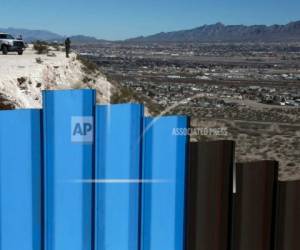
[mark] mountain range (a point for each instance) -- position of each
(45, 35)
(207, 33)
(229, 33)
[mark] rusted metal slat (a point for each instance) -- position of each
(209, 195)
(288, 216)
(255, 205)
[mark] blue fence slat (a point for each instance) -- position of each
(118, 143)
(20, 180)
(163, 191)
(68, 152)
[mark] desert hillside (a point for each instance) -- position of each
(22, 78)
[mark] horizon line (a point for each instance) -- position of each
(145, 35)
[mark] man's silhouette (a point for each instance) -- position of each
(68, 46)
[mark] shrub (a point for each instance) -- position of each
(41, 47)
(21, 80)
(88, 65)
(56, 46)
(123, 95)
(126, 94)
(38, 60)
(5, 104)
(87, 79)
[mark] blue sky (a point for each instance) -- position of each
(119, 19)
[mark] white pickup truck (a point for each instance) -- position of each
(9, 44)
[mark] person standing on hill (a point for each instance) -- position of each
(67, 46)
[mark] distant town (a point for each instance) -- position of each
(252, 89)
(224, 75)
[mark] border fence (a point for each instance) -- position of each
(81, 176)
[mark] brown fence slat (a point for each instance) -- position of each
(288, 216)
(209, 195)
(254, 204)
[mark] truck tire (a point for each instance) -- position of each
(4, 50)
(20, 52)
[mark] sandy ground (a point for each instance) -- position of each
(23, 77)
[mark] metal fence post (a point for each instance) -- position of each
(164, 174)
(255, 205)
(209, 195)
(69, 156)
(288, 216)
(20, 180)
(118, 163)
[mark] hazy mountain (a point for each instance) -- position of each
(31, 35)
(84, 39)
(44, 35)
(207, 33)
(229, 33)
